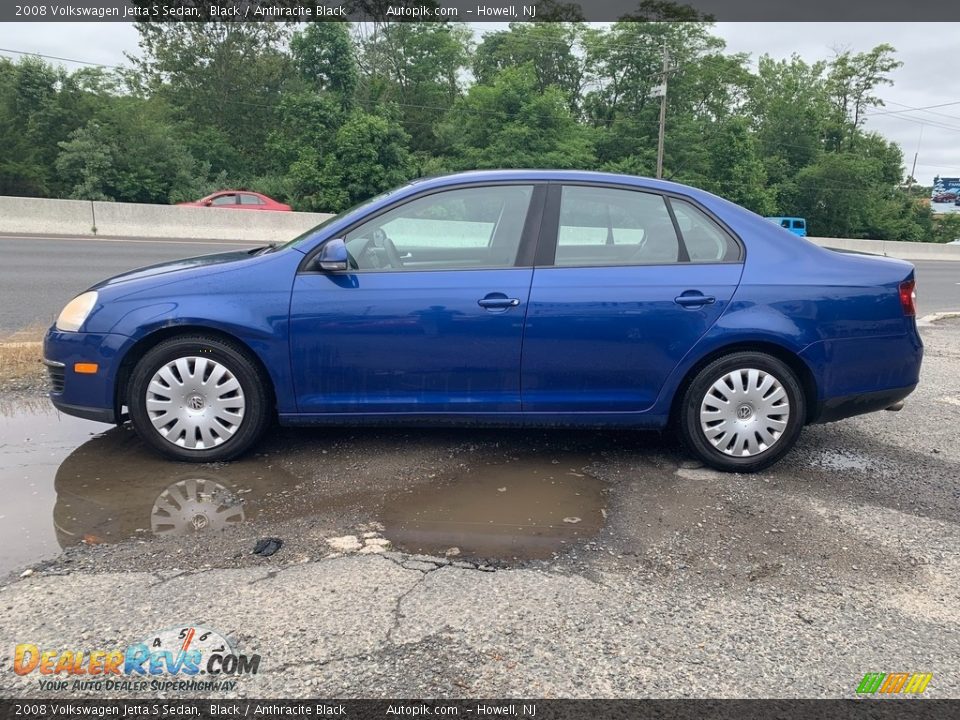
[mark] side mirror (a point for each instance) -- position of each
(333, 255)
(208, 203)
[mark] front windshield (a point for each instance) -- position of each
(300, 239)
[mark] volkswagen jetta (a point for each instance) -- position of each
(521, 297)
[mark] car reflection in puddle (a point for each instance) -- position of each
(112, 488)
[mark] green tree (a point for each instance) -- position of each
(323, 53)
(735, 169)
(40, 105)
(550, 49)
(788, 106)
(417, 69)
(129, 154)
(222, 81)
(510, 124)
(852, 82)
(367, 156)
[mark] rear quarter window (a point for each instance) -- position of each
(705, 240)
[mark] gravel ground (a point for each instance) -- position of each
(841, 560)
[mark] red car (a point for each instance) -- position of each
(239, 200)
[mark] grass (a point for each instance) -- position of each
(21, 360)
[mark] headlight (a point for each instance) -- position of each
(76, 311)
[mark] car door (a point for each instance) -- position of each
(224, 200)
(619, 297)
(429, 317)
(248, 201)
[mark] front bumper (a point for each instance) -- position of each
(90, 396)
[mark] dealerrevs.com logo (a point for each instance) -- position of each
(183, 658)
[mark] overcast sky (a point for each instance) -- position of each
(929, 76)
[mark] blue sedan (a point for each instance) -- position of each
(526, 297)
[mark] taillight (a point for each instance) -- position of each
(908, 297)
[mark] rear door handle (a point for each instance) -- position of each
(497, 301)
(694, 299)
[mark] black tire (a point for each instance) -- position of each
(254, 389)
(695, 437)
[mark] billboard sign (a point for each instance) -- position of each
(945, 196)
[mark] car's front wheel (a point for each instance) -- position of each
(742, 412)
(198, 399)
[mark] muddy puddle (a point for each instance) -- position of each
(528, 508)
(65, 481)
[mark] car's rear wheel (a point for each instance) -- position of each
(742, 412)
(198, 399)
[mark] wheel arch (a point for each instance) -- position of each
(144, 344)
(803, 372)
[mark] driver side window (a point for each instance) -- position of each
(468, 228)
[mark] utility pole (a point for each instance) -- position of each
(661, 90)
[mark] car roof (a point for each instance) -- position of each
(533, 175)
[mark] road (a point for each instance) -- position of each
(39, 275)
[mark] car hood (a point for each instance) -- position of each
(177, 265)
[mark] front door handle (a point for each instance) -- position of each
(694, 299)
(497, 301)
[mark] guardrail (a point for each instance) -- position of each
(85, 218)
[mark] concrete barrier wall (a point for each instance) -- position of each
(35, 216)
(893, 248)
(82, 218)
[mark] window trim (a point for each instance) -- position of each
(234, 195)
(526, 250)
(549, 236)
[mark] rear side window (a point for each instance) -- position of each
(224, 200)
(798, 224)
(247, 199)
(610, 226)
(704, 239)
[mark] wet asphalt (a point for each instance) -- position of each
(461, 563)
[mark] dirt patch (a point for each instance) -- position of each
(21, 361)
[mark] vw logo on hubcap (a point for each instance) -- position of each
(744, 412)
(195, 402)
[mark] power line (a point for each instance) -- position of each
(928, 112)
(56, 57)
(921, 121)
(914, 109)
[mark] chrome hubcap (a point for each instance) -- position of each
(745, 412)
(195, 403)
(194, 505)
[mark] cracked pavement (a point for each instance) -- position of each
(794, 582)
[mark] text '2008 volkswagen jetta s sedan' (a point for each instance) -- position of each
(521, 297)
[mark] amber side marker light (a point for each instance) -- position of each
(85, 368)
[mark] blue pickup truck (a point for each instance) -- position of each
(796, 225)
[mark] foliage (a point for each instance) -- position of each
(510, 124)
(328, 114)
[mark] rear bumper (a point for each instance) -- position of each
(862, 375)
(839, 408)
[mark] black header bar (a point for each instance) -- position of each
(172, 708)
(478, 10)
